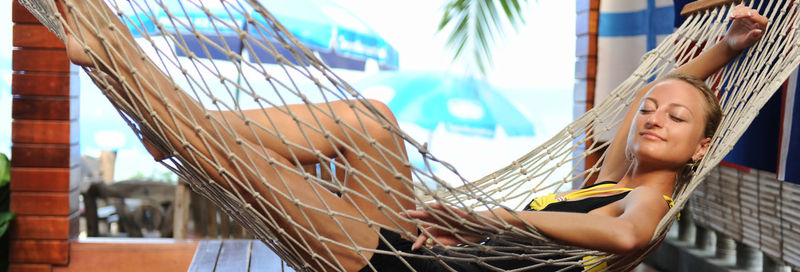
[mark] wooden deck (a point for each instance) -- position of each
(122, 255)
(253, 255)
(236, 255)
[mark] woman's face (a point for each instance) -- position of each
(668, 129)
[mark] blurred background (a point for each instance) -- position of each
(532, 71)
(505, 92)
(515, 95)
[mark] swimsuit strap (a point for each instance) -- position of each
(669, 201)
(543, 201)
(586, 192)
(591, 191)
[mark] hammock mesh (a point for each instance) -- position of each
(230, 158)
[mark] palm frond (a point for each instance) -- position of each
(476, 25)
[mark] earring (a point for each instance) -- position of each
(693, 166)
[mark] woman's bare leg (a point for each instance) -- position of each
(378, 169)
(153, 95)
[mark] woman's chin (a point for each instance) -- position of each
(658, 160)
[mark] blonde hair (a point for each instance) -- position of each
(713, 112)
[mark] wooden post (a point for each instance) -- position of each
(181, 211)
(686, 230)
(44, 152)
(45, 172)
(704, 238)
(726, 249)
(107, 159)
(773, 265)
(748, 258)
(587, 19)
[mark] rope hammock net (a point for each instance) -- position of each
(252, 159)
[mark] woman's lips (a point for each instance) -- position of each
(651, 136)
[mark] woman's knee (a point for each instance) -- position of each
(383, 109)
(382, 125)
(363, 120)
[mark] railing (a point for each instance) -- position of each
(742, 219)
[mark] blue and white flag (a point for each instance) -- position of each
(627, 29)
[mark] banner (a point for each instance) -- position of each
(627, 29)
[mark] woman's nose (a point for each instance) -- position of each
(655, 119)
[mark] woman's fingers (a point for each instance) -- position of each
(746, 29)
(754, 35)
(420, 241)
(445, 213)
(421, 215)
(742, 11)
(448, 209)
(442, 237)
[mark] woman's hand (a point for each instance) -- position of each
(438, 221)
(747, 28)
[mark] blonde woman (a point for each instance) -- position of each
(668, 127)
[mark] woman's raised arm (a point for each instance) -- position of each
(747, 28)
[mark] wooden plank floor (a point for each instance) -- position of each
(235, 255)
(129, 254)
(253, 255)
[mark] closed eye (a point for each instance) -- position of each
(676, 119)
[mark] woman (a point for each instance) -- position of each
(670, 125)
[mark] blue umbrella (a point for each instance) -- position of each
(462, 104)
(219, 25)
(340, 38)
(336, 33)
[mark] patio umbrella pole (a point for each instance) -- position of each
(239, 64)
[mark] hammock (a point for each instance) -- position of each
(230, 166)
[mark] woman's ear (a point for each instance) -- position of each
(702, 147)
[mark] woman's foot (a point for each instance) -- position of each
(91, 27)
(106, 80)
(79, 55)
(75, 51)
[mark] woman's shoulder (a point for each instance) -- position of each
(650, 196)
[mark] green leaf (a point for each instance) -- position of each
(478, 24)
(5, 170)
(507, 9)
(5, 220)
(520, 18)
(462, 43)
(484, 31)
(460, 36)
(492, 11)
(480, 62)
(445, 20)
